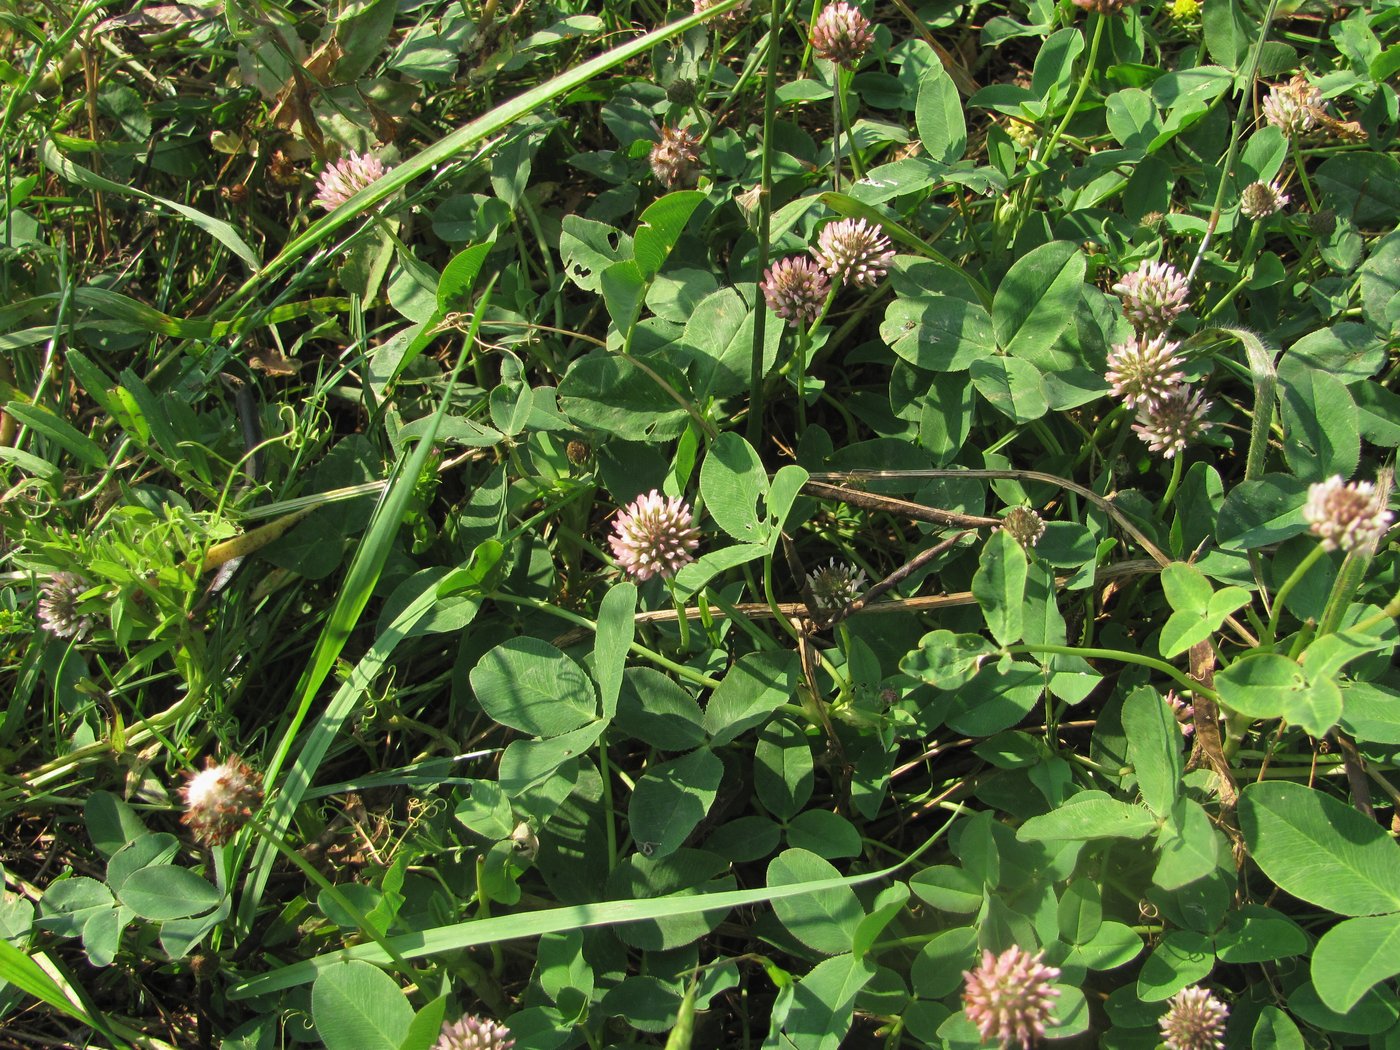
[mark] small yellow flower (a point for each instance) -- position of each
(1184, 10)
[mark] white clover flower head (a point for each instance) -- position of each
(853, 250)
(1144, 370)
(1010, 997)
(474, 1033)
(836, 584)
(58, 605)
(1293, 107)
(1195, 1020)
(795, 289)
(1024, 526)
(1153, 296)
(1349, 516)
(841, 34)
(675, 160)
(219, 799)
(654, 536)
(1259, 200)
(1170, 424)
(346, 177)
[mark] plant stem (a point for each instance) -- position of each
(765, 215)
(1294, 578)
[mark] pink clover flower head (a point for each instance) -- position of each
(1144, 370)
(795, 289)
(1293, 107)
(654, 536)
(1153, 296)
(853, 250)
(1183, 712)
(841, 34)
(1010, 997)
(1195, 1020)
(220, 799)
(474, 1033)
(836, 585)
(345, 178)
(1347, 515)
(730, 18)
(58, 605)
(1024, 525)
(675, 160)
(1169, 425)
(1259, 200)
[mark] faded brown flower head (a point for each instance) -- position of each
(1010, 997)
(1349, 516)
(58, 605)
(1104, 7)
(1293, 107)
(675, 160)
(345, 178)
(853, 250)
(1143, 371)
(841, 34)
(1262, 199)
(1195, 1020)
(654, 536)
(474, 1033)
(1153, 296)
(795, 289)
(1024, 526)
(836, 585)
(1170, 424)
(220, 799)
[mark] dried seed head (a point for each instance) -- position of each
(795, 289)
(841, 34)
(1350, 516)
(1010, 997)
(836, 585)
(1143, 371)
(675, 160)
(1024, 526)
(1293, 107)
(654, 536)
(345, 178)
(1262, 199)
(220, 799)
(853, 250)
(1169, 425)
(474, 1033)
(1153, 296)
(1195, 1020)
(58, 605)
